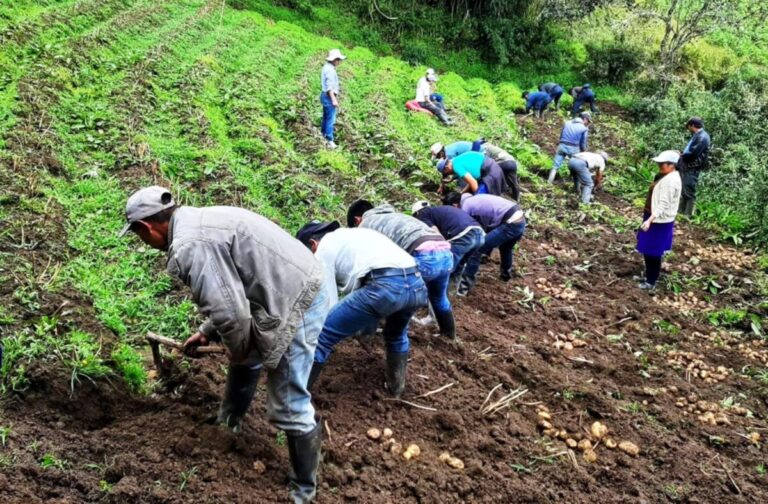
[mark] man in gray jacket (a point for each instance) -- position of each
(262, 295)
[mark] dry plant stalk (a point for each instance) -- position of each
(489, 408)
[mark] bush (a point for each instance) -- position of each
(612, 62)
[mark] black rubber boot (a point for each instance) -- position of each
(304, 452)
(238, 394)
(397, 363)
(317, 368)
(447, 324)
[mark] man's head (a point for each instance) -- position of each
(694, 124)
(356, 211)
(587, 86)
(586, 117)
(667, 161)
(431, 75)
(312, 232)
(148, 213)
(335, 57)
(525, 95)
(437, 150)
(419, 206)
(604, 155)
(445, 166)
(453, 198)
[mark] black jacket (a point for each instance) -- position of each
(696, 154)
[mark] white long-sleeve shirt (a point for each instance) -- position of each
(423, 90)
(347, 255)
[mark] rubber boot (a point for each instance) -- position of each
(397, 363)
(317, 368)
(238, 394)
(447, 324)
(304, 452)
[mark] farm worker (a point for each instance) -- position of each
(378, 281)
(329, 81)
(582, 166)
(573, 139)
(554, 90)
(538, 101)
(480, 173)
(654, 238)
(581, 95)
(262, 295)
(427, 246)
(695, 158)
(450, 151)
(504, 223)
(508, 166)
(462, 231)
(428, 100)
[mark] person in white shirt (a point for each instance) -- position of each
(378, 280)
(329, 97)
(424, 97)
(583, 166)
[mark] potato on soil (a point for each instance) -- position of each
(629, 448)
(589, 456)
(452, 461)
(572, 443)
(259, 467)
(412, 451)
(610, 443)
(585, 444)
(544, 415)
(598, 430)
(396, 449)
(374, 433)
(387, 433)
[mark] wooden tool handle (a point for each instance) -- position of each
(214, 349)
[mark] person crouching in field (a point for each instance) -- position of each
(582, 166)
(329, 98)
(475, 172)
(538, 101)
(429, 100)
(262, 295)
(654, 238)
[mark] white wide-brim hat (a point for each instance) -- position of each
(335, 54)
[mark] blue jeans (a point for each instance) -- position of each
(563, 151)
(462, 249)
(582, 178)
(482, 188)
(391, 293)
(579, 102)
(289, 405)
(437, 99)
(329, 117)
(503, 237)
(435, 269)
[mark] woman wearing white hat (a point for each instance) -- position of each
(654, 238)
(426, 98)
(329, 81)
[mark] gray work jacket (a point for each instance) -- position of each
(250, 278)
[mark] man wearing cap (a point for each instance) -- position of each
(554, 90)
(538, 101)
(582, 166)
(428, 247)
(581, 95)
(503, 221)
(573, 139)
(261, 293)
(462, 231)
(329, 82)
(378, 281)
(480, 173)
(506, 162)
(424, 97)
(450, 151)
(695, 158)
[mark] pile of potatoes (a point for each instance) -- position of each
(685, 302)
(390, 444)
(752, 350)
(564, 293)
(567, 341)
(733, 259)
(557, 250)
(707, 412)
(696, 367)
(586, 443)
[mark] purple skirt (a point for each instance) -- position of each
(657, 240)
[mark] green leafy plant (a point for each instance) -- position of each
(186, 477)
(51, 461)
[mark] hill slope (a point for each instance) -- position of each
(102, 97)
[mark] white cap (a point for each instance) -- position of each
(431, 75)
(146, 203)
(668, 156)
(418, 206)
(604, 155)
(335, 54)
(435, 149)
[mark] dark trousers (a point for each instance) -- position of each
(579, 102)
(503, 237)
(652, 269)
(510, 175)
(690, 178)
(437, 111)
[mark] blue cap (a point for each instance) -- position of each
(587, 85)
(441, 165)
(314, 228)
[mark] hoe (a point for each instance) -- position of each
(163, 367)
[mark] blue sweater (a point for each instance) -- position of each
(537, 100)
(575, 133)
(449, 220)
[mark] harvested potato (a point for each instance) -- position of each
(598, 430)
(396, 449)
(452, 461)
(374, 433)
(754, 437)
(412, 451)
(387, 433)
(544, 424)
(572, 443)
(589, 456)
(259, 467)
(610, 443)
(629, 448)
(544, 415)
(585, 444)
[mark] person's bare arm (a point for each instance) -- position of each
(472, 184)
(333, 98)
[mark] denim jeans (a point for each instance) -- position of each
(503, 237)
(391, 294)
(582, 178)
(690, 179)
(437, 99)
(436, 110)
(289, 407)
(329, 116)
(462, 249)
(579, 102)
(563, 151)
(435, 268)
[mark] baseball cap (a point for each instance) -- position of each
(418, 206)
(586, 115)
(436, 148)
(441, 165)
(315, 227)
(335, 54)
(668, 156)
(604, 155)
(146, 203)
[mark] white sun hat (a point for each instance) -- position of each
(668, 156)
(335, 54)
(431, 75)
(418, 206)
(436, 148)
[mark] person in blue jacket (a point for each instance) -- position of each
(537, 101)
(554, 90)
(581, 95)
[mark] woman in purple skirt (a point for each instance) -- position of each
(654, 238)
